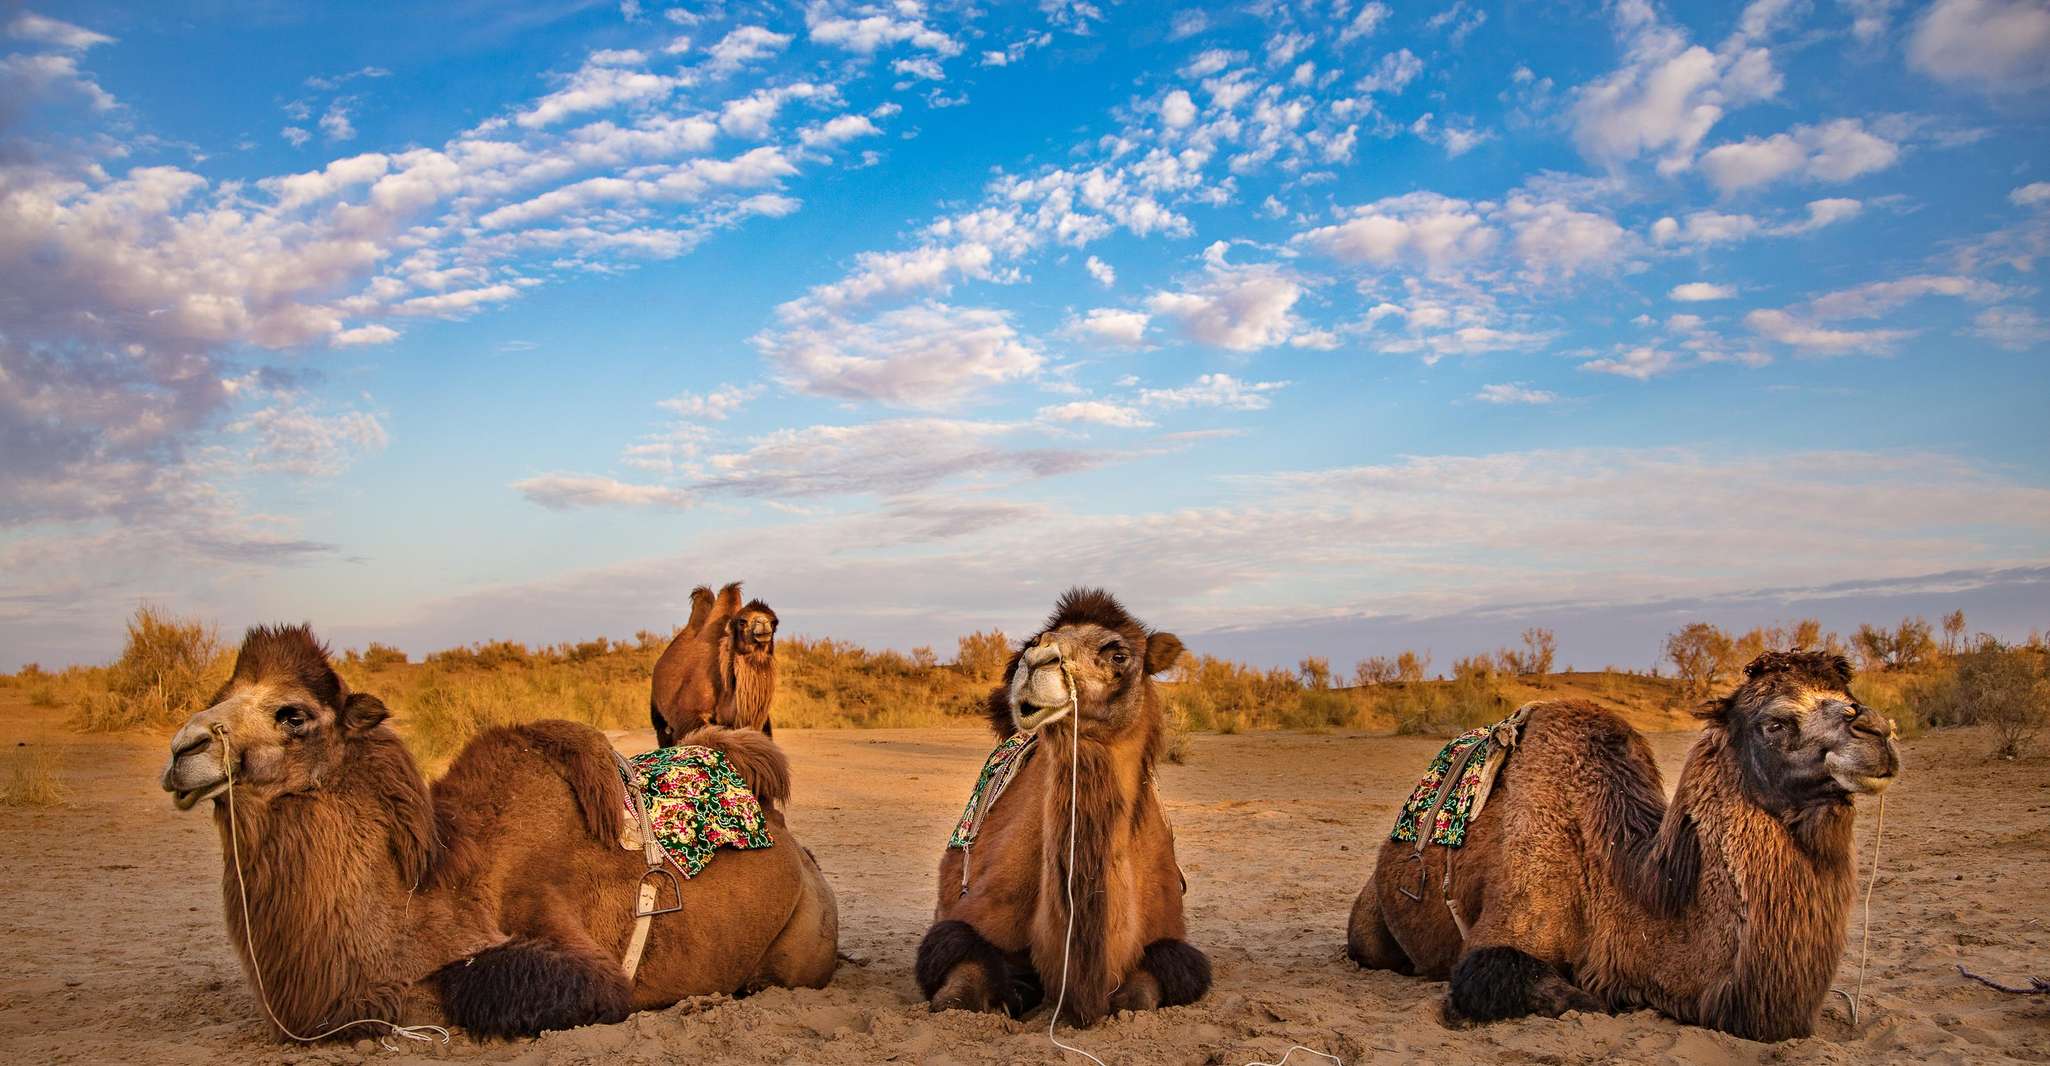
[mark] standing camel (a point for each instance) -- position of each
(719, 670)
(500, 898)
(1579, 887)
(1081, 725)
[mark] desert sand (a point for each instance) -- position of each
(115, 951)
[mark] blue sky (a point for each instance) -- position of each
(1330, 326)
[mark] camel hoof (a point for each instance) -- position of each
(966, 990)
(1141, 991)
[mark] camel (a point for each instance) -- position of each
(1580, 888)
(498, 899)
(720, 669)
(1000, 935)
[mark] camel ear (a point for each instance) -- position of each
(363, 712)
(1162, 649)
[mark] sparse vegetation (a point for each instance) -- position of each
(166, 672)
(171, 665)
(32, 779)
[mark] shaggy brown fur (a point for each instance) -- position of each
(1583, 889)
(1007, 932)
(499, 899)
(720, 669)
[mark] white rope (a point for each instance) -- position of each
(1074, 800)
(1284, 1056)
(1865, 930)
(423, 1033)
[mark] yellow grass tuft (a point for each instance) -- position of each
(32, 779)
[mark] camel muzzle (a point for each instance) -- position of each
(195, 772)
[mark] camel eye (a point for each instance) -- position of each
(1118, 657)
(291, 716)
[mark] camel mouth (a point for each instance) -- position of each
(1862, 780)
(188, 798)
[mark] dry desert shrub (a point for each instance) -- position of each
(32, 779)
(166, 673)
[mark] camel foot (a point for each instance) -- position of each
(1493, 983)
(1141, 991)
(959, 970)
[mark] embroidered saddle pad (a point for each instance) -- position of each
(1471, 760)
(1003, 765)
(697, 804)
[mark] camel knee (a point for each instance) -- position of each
(1181, 972)
(1368, 940)
(1493, 983)
(958, 969)
(527, 986)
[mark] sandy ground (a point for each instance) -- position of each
(114, 949)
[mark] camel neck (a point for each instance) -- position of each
(341, 918)
(1787, 877)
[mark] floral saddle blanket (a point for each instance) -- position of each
(1453, 790)
(696, 804)
(998, 770)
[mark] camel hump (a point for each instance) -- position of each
(700, 606)
(756, 758)
(583, 757)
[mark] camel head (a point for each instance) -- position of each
(286, 716)
(754, 629)
(1108, 654)
(1800, 736)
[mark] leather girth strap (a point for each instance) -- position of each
(658, 868)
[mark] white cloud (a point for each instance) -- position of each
(1515, 393)
(1551, 237)
(838, 130)
(25, 76)
(744, 45)
(1641, 363)
(922, 67)
(715, 405)
(1788, 329)
(873, 28)
(1833, 151)
(1103, 272)
(41, 29)
(2018, 328)
(750, 116)
(1877, 298)
(1669, 93)
(371, 334)
(1437, 231)
(1240, 308)
(1392, 73)
(1096, 412)
(1995, 46)
(2036, 192)
(1113, 326)
(1177, 109)
(288, 436)
(1700, 291)
(596, 87)
(930, 356)
(456, 303)
(1215, 390)
(1368, 19)
(565, 492)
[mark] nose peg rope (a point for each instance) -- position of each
(1068, 940)
(425, 1034)
(1865, 924)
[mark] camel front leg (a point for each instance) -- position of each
(959, 969)
(1367, 938)
(1169, 974)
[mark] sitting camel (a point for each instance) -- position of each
(501, 898)
(719, 670)
(1578, 887)
(1079, 694)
